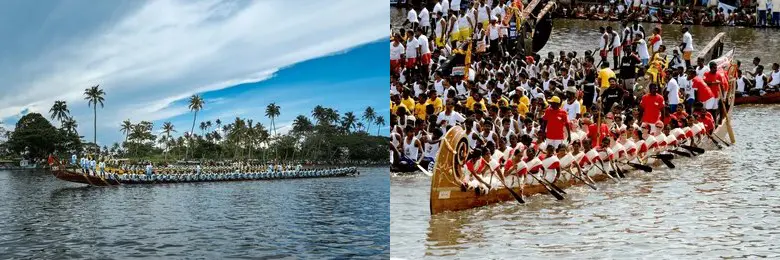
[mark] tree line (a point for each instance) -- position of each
(324, 136)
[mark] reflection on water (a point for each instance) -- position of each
(720, 204)
(44, 218)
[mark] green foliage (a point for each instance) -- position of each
(35, 137)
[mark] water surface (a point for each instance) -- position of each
(44, 218)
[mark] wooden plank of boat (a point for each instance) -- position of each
(446, 193)
(707, 50)
(544, 11)
(528, 9)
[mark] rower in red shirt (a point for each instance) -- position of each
(555, 122)
(651, 107)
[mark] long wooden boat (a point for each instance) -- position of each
(78, 176)
(769, 98)
(446, 193)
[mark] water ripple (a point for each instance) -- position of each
(44, 218)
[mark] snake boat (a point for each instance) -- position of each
(112, 179)
(447, 194)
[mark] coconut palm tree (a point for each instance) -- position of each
(59, 111)
(348, 121)
(318, 113)
(167, 129)
(208, 125)
(369, 115)
(272, 111)
(196, 104)
(301, 124)
(94, 96)
(380, 121)
(202, 127)
(331, 116)
(126, 127)
(70, 125)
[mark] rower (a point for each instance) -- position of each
(149, 169)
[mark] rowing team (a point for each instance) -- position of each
(223, 176)
(512, 164)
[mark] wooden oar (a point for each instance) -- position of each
(692, 149)
(617, 169)
(585, 173)
(679, 153)
(554, 193)
(605, 172)
(662, 156)
(638, 166)
(519, 198)
(581, 179)
(666, 161)
(552, 184)
(423, 170)
(721, 139)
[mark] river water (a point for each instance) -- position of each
(44, 218)
(720, 204)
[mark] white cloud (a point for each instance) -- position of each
(168, 50)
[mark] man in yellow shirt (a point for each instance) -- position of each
(604, 75)
(419, 108)
(436, 101)
(474, 99)
(407, 100)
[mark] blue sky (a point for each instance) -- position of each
(150, 56)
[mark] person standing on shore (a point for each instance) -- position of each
(761, 8)
(615, 46)
(775, 13)
(425, 20)
(411, 18)
(603, 44)
(687, 46)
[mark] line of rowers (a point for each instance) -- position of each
(557, 138)
(197, 172)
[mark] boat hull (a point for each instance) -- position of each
(770, 98)
(77, 176)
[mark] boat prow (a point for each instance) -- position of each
(74, 176)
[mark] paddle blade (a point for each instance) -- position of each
(680, 153)
(663, 156)
(668, 163)
(423, 170)
(517, 197)
(693, 149)
(642, 167)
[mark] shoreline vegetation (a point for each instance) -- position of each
(325, 138)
